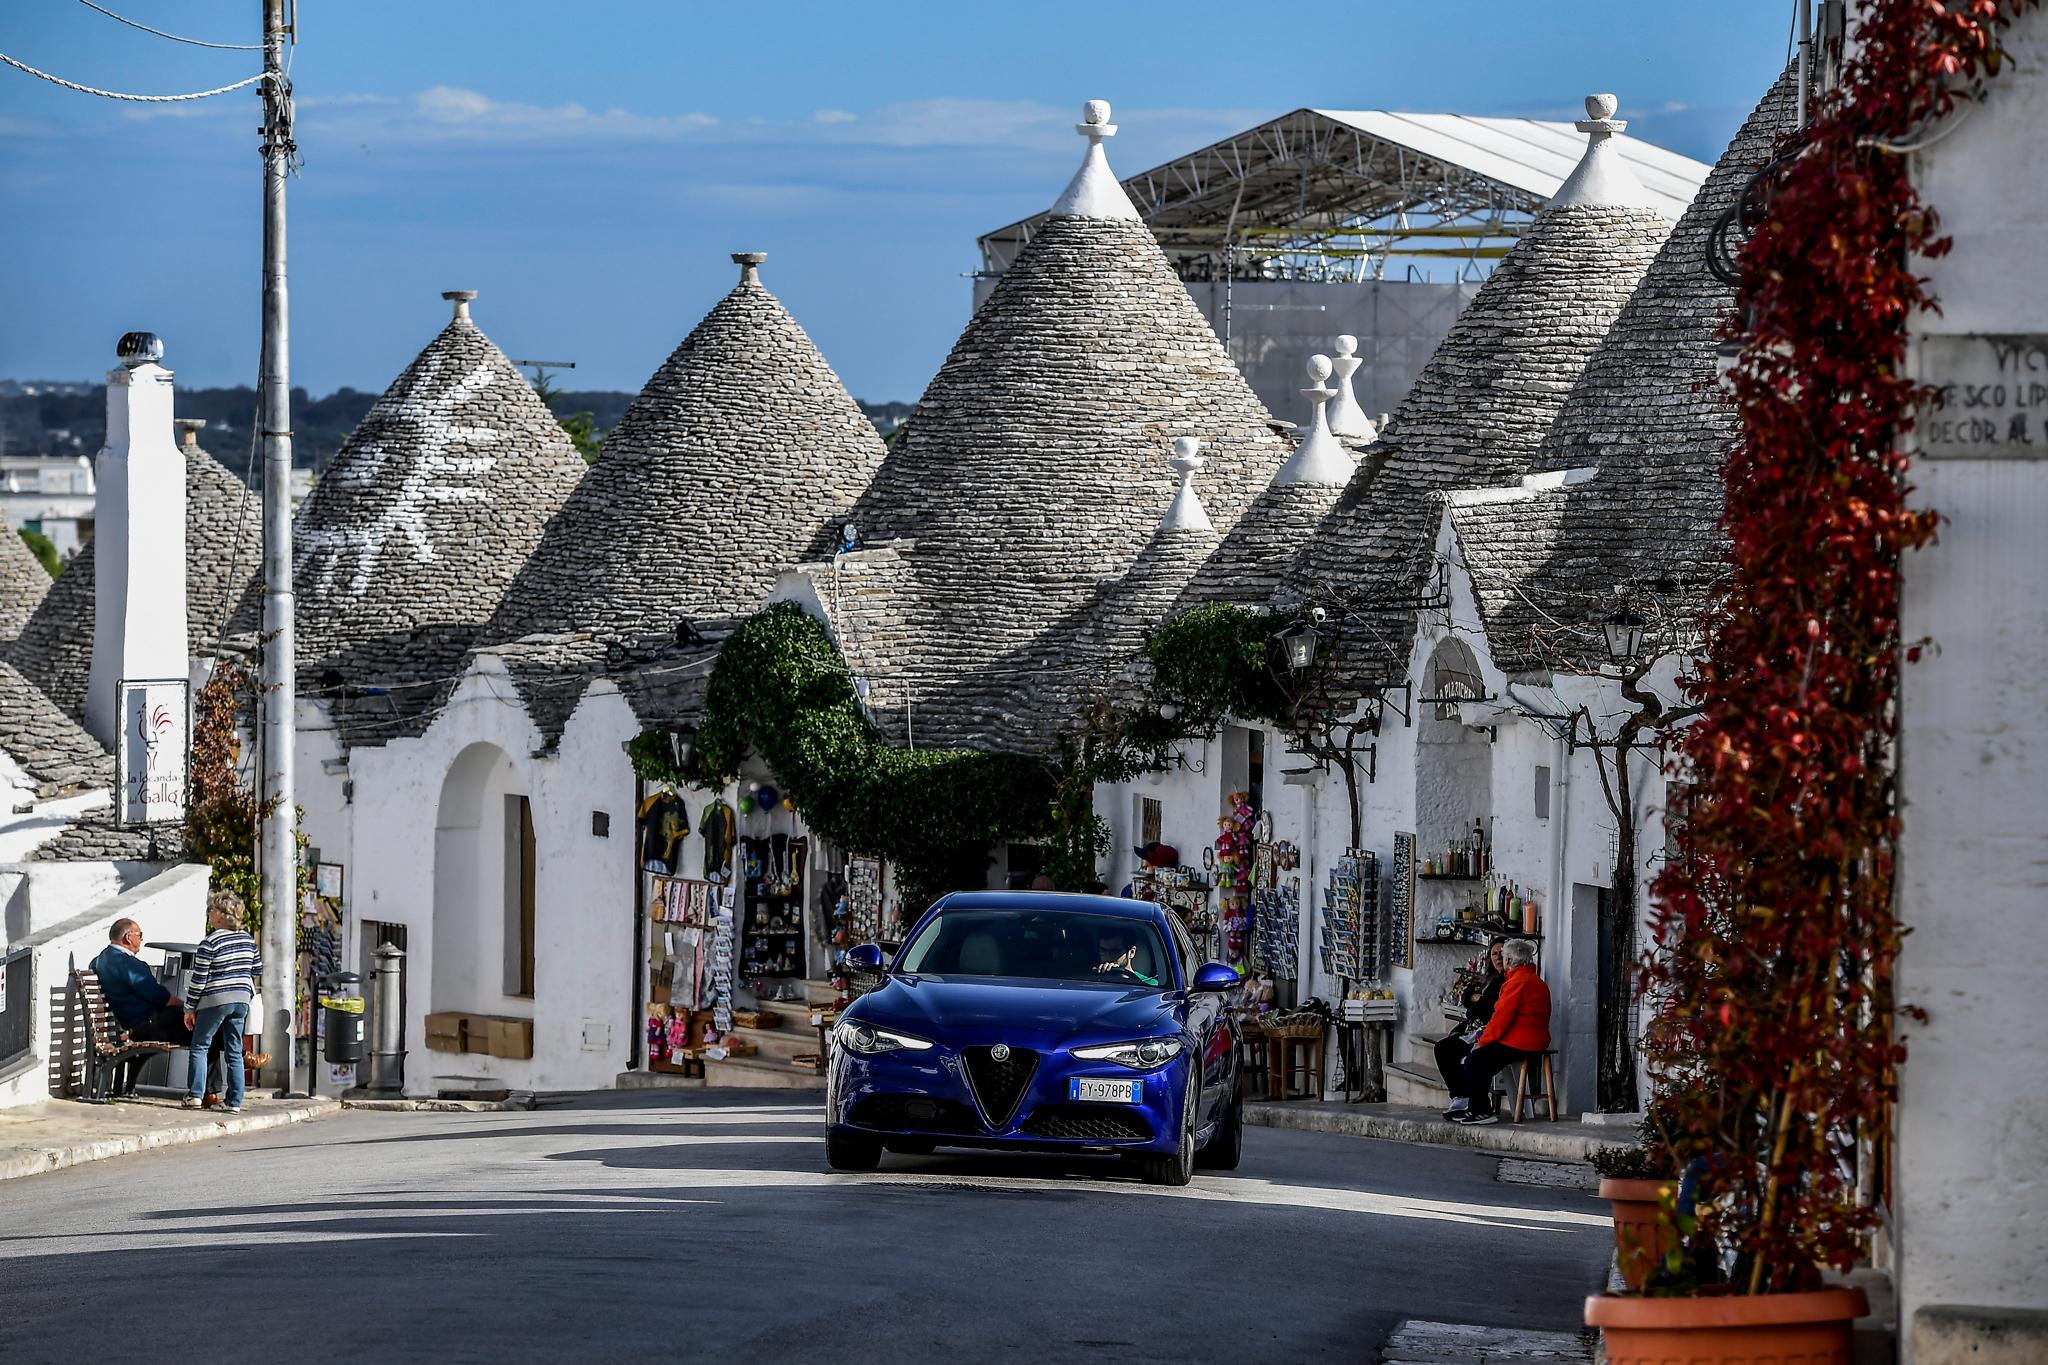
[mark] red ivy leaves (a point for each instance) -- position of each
(1775, 932)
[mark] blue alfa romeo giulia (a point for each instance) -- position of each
(1044, 1022)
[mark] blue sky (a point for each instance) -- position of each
(588, 166)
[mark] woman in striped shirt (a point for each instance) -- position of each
(217, 995)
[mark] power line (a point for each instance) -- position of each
(224, 47)
(118, 95)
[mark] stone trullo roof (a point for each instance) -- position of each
(1649, 429)
(742, 454)
(55, 752)
(1034, 470)
(23, 583)
(1476, 416)
(410, 539)
(223, 554)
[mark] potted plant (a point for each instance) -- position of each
(1769, 987)
(1637, 1182)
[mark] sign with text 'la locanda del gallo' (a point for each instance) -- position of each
(154, 755)
(1995, 397)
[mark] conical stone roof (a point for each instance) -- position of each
(1034, 471)
(1648, 416)
(1475, 418)
(223, 554)
(409, 540)
(742, 454)
(23, 583)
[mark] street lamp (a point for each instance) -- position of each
(1624, 631)
(1299, 641)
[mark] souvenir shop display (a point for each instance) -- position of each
(1468, 857)
(1276, 917)
(863, 901)
(681, 912)
(664, 823)
(1499, 909)
(1401, 903)
(721, 979)
(1351, 937)
(719, 828)
(1235, 866)
(772, 875)
(1183, 890)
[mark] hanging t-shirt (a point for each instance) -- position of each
(719, 828)
(664, 824)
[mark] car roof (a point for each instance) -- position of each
(1057, 902)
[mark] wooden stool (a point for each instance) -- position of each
(1304, 1052)
(1549, 1095)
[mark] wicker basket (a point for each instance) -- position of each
(1296, 1026)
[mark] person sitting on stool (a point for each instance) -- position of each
(1478, 1000)
(1519, 1030)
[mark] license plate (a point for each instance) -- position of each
(1102, 1092)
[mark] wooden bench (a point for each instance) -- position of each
(107, 1045)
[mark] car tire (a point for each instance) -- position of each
(852, 1152)
(910, 1146)
(1178, 1166)
(1226, 1144)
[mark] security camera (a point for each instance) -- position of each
(1316, 614)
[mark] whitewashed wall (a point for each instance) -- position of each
(1971, 1203)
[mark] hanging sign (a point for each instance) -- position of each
(153, 750)
(1994, 392)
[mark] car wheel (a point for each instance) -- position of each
(1177, 1167)
(1226, 1144)
(852, 1152)
(910, 1146)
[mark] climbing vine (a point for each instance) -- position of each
(1775, 929)
(781, 689)
(223, 815)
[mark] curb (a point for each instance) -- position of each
(1500, 1139)
(519, 1100)
(78, 1154)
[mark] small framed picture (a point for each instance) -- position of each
(327, 880)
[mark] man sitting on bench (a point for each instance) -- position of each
(142, 1006)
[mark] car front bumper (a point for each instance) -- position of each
(927, 1095)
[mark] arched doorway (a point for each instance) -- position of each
(484, 879)
(1453, 797)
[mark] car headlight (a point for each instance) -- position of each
(858, 1035)
(1146, 1054)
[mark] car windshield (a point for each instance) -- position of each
(1039, 944)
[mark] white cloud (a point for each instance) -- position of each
(830, 116)
(450, 113)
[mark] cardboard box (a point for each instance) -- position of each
(476, 1033)
(511, 1038)
(445, 1032)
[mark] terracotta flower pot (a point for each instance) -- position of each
(1729, 1329)
(1640, 1237)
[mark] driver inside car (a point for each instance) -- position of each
(1118, 952)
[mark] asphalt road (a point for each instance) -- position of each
(704, 1226)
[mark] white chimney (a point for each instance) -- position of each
(138, 537)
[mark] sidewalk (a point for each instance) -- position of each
(53, 1134)
(1561, 1141)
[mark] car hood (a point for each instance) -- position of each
(962, 1010)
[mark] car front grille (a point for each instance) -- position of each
(913, 1114)
(1088, 1122)
(998, 1085)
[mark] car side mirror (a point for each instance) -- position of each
(1215, 976)
(866, 957)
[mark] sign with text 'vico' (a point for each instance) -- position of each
(154, 755)
(1994, 392)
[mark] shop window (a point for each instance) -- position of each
(519, 897)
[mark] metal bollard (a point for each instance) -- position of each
(387, 1017)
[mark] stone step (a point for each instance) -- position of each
(760, 1073)
(780, 1044)
(1416, 1083)
(655, 1080)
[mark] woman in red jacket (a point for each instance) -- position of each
(1519, 1028)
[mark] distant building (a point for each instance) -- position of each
(52, 494)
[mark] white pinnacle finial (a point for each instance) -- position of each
(1347, 419)
(460, 298)
(1185, 512)
(1094, 191)
(1602, 179)
(1319, 459)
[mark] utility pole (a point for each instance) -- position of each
(278, 863)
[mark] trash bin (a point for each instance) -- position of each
(342, 1000)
